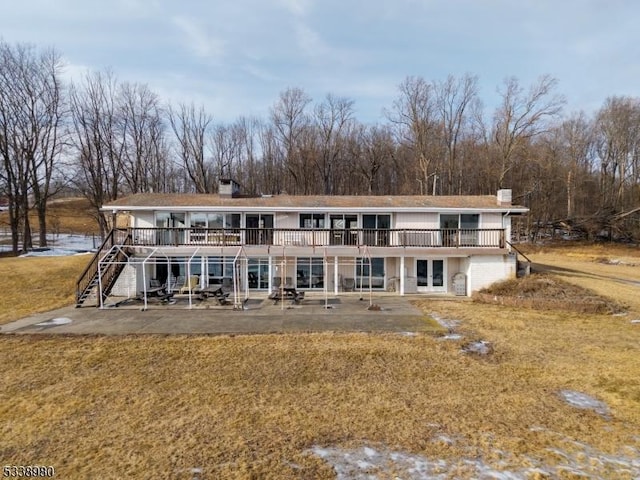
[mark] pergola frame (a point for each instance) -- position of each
(171, 257)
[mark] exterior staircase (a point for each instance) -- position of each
(105, 268)
(523, 267)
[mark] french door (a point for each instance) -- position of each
(431, 275)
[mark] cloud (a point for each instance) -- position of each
(198, 40)
(297, 8)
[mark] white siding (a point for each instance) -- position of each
(287, 220)
(144, 220)
(491, 220)
(487, 269)
(126, 285)
(453, 267)
(416, 220)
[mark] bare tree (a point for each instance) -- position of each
(618, 148)
(99, 140)
(31, 115)
(144, 155)
(247, 166)
(454, 98)
(225, 141)
(191, 127)
(377, 156)
(334, 119)
(576, 137)
(414, 115)
(290, 121)
(521, 117)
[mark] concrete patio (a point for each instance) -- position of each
(261, 315)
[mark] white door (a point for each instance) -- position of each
(431, 275)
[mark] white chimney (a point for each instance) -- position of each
(504, 197)
(228, 188)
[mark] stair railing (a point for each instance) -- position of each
(90, 272)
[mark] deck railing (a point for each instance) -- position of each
(436, 238)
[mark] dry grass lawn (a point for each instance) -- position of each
(37, 284)
(66, 215)
(252, 406)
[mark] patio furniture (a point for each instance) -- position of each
(348, 284)
(287, 293)
(192, 285)
(216, 292)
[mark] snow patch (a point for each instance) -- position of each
(584, 401)
(451, 336)
(55, 321)
(481, 348)
(447, 323)
(368, 463)
(63, 244)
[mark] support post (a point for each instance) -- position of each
(402, 275)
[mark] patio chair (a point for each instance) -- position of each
(277, 281)
(227, 284)
(192, 285)
(348, 284)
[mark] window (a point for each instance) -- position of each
(373, 266)
(309, 272)
(198, 220)
(375, 227)
(259, 229)
(258, 273)
(460, 229)
(312, 220)
(463, 221)
(207, 228)
(215, 220)
(469, 221)
(174, 272)
(219, 268)
(344, 229)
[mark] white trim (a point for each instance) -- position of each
(363, 209)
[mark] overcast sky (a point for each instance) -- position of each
(235, 57)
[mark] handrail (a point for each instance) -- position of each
(92, 268)
(409, 237)
(85, 277)
(519, 251)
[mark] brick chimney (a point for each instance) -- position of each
(504, 197)
(228, 188)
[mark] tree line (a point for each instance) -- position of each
(105, 138)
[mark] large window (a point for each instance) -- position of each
(370, 268)
(170, 227)
(207, 228)
(220, 270)
(259, 229)
(375, 229)
(214, 220)
(462, 221)
(174, 272)
(459, 230)
(309, 272)
(344, 229)
(258, 273)
(312, 220)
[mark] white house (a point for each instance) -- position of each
(331, 244)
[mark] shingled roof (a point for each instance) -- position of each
(143, 201)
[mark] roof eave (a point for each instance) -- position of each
(516, 210)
